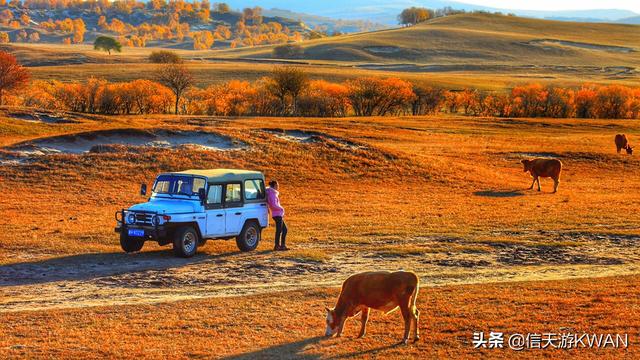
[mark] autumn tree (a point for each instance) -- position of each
(176, 77)
(107, 43)
(13, 76)
(78, 30)
(4, 38)
(287, 83)
(586, 101)
(221, 8)
(374, 96)
(414, 15)
(613, 102)
(324, 99)
(428, 100)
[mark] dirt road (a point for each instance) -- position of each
(157, 276)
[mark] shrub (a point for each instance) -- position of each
(164, 57)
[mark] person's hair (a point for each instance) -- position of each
(273, 183)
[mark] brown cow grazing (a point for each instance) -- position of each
(379, 290)
(623, 143)
(543, 168)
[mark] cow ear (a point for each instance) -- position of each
(523, 161)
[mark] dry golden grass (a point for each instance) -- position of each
(290, 325)
(445, 193)
(427, 176)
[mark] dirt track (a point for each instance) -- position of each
(156, 276)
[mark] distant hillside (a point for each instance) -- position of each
(634, 20)
(468, 41)
(177, 24)
(385, 11)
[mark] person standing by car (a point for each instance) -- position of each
(277, 213)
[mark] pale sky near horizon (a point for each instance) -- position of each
(633, 5)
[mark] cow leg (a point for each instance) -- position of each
(556, 182)
(341, 327)
(408, 319)
(416, 318)
(538, 179)
(534, 181)
(363, 320)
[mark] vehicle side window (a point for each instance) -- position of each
(233, 194)
(198, 184)
(253, 189)
(214, 197)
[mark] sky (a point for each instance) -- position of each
(633, 5)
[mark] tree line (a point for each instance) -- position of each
(288, 91)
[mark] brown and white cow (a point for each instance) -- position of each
(379, 290)
(543, 168)
(623, 143)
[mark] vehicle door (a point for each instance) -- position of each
(215, 212)
(255, 201)
(233, 208)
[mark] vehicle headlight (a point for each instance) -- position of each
(131, 218)
(155, 220)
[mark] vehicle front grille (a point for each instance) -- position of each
(143, 219)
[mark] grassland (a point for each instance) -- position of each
(442, 195)
(476, 41)
(480, 51)
(445, 196)
(290, 325)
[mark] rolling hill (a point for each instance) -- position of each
(384, 11)
(479, 41)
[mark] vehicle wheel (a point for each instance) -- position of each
(130, 244)
(185, 242)
(249, 236)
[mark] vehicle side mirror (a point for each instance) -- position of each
(143, 189)
(202, 194)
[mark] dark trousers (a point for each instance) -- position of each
(281, 231)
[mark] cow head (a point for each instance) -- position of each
(527, 164)
(332, 322)
(629, 149)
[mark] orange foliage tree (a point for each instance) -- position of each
(374, 96)
(13, 76)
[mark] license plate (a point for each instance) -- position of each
(136, 232)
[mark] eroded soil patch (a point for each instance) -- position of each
(97, 141)
(306, 137)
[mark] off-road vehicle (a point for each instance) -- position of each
(186, 208)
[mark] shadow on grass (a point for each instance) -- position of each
(96, 265)
(371, 352)
(499, 193)
(284, 351)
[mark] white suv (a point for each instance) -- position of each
(186, 208)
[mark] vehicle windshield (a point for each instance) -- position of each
(177, 185)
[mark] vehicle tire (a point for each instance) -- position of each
(185, 242)
(130, 244)
(249, 236)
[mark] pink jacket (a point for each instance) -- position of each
(273, 200)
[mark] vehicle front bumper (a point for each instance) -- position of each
(151, 232)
